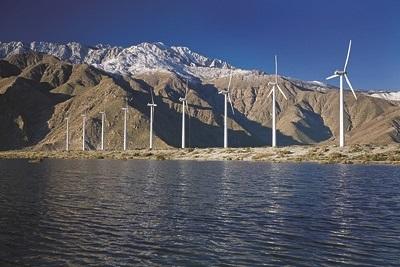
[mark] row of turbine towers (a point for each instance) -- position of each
(227, 98)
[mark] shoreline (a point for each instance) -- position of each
(353, 154)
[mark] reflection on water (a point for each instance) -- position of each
(124, 213)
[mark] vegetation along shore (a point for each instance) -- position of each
(389, 154)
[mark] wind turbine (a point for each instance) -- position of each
(83, 131)
(227, 96)
(151, 105)
(274, 86)
(103, 114)
(184, 105)
(67, 136)
(341, 74)
(125, 109)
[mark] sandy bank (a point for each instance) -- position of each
(321, 154)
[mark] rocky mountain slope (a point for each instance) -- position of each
(38, 91)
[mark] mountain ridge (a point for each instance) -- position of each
(150, 57)
(124, 61)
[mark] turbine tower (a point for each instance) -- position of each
(125, 109)
(184, 105)
(103, 114)
(83, 131)
(67, 136)
(341, 74)
(274, 86)
(227, 96)
(151, 105)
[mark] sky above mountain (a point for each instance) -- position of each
(310, 36)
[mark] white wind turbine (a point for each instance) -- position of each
(67, 136)
(83, 131)
(274, 86)
(103, 114)
(227, 96)
(184, 106)
(341, 74)
(125, 109)
(151, 105)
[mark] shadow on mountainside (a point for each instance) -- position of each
(313, 127)
(25, 109)
(257, 134)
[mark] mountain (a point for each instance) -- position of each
(41, 84)
(132, 60)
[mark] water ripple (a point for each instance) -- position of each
(154, 213)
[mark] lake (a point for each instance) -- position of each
(157, 213)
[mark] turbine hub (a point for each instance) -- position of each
(340, 72)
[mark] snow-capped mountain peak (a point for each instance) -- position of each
(127, 61)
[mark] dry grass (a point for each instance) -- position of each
(322, 154)
(262, 156)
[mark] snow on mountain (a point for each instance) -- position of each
(147, 57)
(392, 96)
(130, 60)
(311, 85)
(11, 48)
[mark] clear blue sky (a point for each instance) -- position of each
(309, 36)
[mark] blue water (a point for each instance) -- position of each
(157, 213)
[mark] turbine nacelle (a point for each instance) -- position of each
(223, 92)
(152, 105)
(340, 72)
(343, 73)
(182, 99)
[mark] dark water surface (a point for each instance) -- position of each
(124, 213)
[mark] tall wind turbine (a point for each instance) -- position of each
(103, 114)
(274, 86)
(83, 131)
(227, 96)
(67, 136)
(125, 109)
(184, 105)
(151, 105)
(341, 74)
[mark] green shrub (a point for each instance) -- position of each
(160, 157)
(336, 156)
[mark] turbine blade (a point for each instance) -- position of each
(276, 69)
(230, 80)
(187, 108)
(347, 58)
(351, 87)
(230, 102)
(280, 90)
(332, 76)
(270, 92)
(152, 98)
(187, 88)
